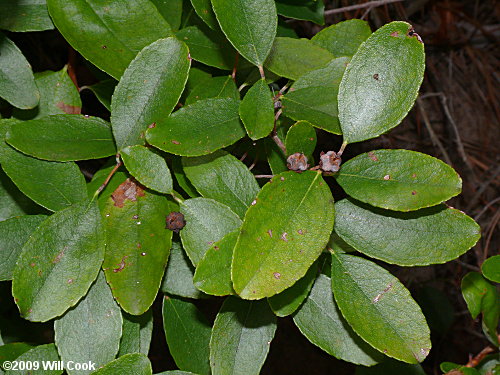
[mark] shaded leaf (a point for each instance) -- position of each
(198, 129)
(216, 87)
(39, 354)
(66, 249)
(275, 157)
(391, 367)
(25, 15)
(63, 137)
(149, 90)
(181, 179)
(491, 268)
(381, 83)
(12, 202)
(306, 10)
(103, 91)
(301, 137)
(379, 308)
(203, 9)
(134, 363)
(320, 320)
(283, 233)
(343, 38)
(149, 168)
(137, 331)
(257, 110)
(90, 331)
(241, 337)
(100, 176)
(171, 10)
(9, 352)
(224, 178)
(401, 180)
(188, 335)
(121, 31)
(432, 235)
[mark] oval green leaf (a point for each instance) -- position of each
(199, 129)
(308, 10)
(39, 354)
(17, 83)
(134, 363)
(400, 180)
(257, 110)
(241, 337)
(301, 137)
(63, 138)
(12, 202)
(432, 235)
(391, 367)
(137, 331)
(207, 221)
(284, 231)
(213, 273)
(320, 320)
(188, 335)
(250, 26)
(59, 262)
(25, 15)
(107, 33)
(379, 308)
(491, 268)
(292, 58)
(203, 9)
(216, 87)
(343, 38)
(149, 168)
(171, 10)
(90, 331)
(381, 83)
(222, 177)
(149, 90)
(137, 245)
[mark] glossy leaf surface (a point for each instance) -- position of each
(379, 308)
(216, 87)
(400, 180)
(241, 336)
(66, 249)
(134, 363)
(203, 9)
(257, 110)
(320, 320)
(25, 15)
(343, 38)
(199, 129)
(381, 83)
(428, 236)
(301, 137)
(149, 90)
(107, 33)
(282, 234)
(491, 268)
(137, 331)
(312, 10)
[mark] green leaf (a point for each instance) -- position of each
(482, 297)
(301, 137)
(178, 279)
(149, 168)
(343, 38)
(213, 273)
(203, 9)
(305, 10)
(381, 83)
(292, 58)
(379, 308)
(241, 337)
(103, 91)
(58, 95)
(391, 367)
(188, 335)
(171, 10)
(63, 138)
(175, 372)
(208, 47)
(90, 331)
(14, 233)
(107, 33)
(250, 26)
(12, 202)
(137, 331)
(222, 177)
(59, 262)
(58, 185)
(289, 300)
(134, 363)
(100, 176)
(257, 110)
(320, 320)
(137, 245)
(283, 233)
(275, 157)
(313, 97)
(432, 235)
(17, 83)
(149, 90)
(491, 268)
(400, 180)
(25, 15)
(10, 352)
(216, 87)
(39, 354)
(198, 129)
(181, 179)
(207, 221)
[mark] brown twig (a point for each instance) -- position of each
(235, 67)
(263, 176)
(474, 361)
(274, 135)
(370, 4)
(113, 171)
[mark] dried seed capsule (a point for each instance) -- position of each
(297, 162)
(329, 162)
(175, 221)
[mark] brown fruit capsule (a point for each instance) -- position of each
(297, 162)
(329, 162)
(175, 221)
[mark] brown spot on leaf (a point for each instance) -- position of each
(70, 281)
(277, 275)
(413, 175)
(58, 257)
(300, 232)
(394, 34)
(270, 232)
(412, 34)
(376, 76)
(216, 248)
(139, 245)
(151, 126)
(32, 264)
(175, 221)
(387, 177)
(372, 156)
(69, 109)
(121, 266)
(413, 192)
(283, 236)
(104, 46)
(377, 298)
(175, 142)
(128, 190)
